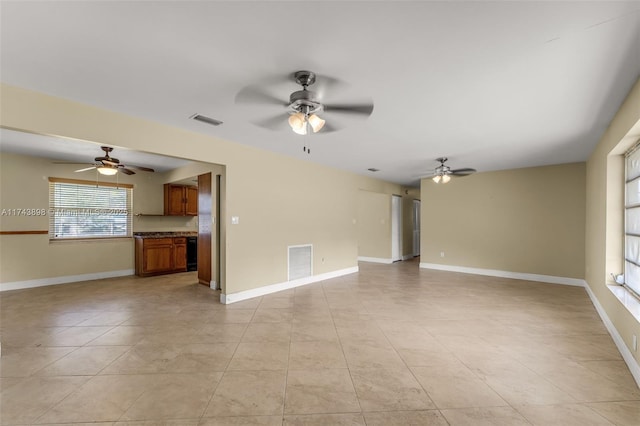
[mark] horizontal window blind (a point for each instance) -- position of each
(85, 209)
(632, 220)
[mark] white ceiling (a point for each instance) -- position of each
(491, 85)
(81, 152)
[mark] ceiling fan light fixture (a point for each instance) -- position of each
(437, 178)
(107, 170)
(302, 130)
(446, 178)
(296, 121)
(315, 122)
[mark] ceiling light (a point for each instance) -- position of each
(299, 120)
(437, 178)
(298, 123)
(315, 122)
(107, 170)
(446, 178)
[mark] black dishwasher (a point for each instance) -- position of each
(192, 253)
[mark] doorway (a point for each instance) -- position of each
(416, 228)
(396, 228)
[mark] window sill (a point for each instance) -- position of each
(89, 240)
(627, 299)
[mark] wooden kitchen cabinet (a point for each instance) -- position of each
(179, 254)
(180, 200)
(156, 256)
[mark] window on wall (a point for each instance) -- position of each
(632, 220)
(84, 209)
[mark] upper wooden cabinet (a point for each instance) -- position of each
(180, 200)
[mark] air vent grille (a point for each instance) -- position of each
(205, 119)
(300, 261)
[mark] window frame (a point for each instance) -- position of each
(54, 211)
(634, 290)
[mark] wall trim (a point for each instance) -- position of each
(273, 288)
(633, 365)
(408, 256)
(374, 259)
(506, 274)
(19, 285)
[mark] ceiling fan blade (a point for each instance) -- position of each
(328, 128)
(325, 84)
(69, 162)
(110, 162)
(144, 169)
(126, 171)
(257, 96)
(85, 169)
(363, 109)
(462, 172)
(277, 122)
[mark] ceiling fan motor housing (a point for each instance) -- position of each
(304, 101)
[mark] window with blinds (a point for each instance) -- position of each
(632, 220)
(85, 209)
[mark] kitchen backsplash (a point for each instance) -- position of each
(165, 223)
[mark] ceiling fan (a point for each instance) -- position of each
(443, 173)
(107, 165)
(303, 109)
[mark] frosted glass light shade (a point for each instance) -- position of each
(301, 130)
(446, 178)
(297, 121)
(316, 123)
(107, 171)
(437, 178)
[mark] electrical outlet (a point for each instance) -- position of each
(441, 254)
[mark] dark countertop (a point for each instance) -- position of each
(164, 234)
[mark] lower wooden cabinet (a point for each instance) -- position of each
(156, 256)
(179, 254)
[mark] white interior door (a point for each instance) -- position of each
(396, 228)
(416, 228)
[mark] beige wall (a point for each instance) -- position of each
(604, 215)
(374, 225)
(280, 200)
(526, 221)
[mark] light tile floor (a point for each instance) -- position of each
(390, 345)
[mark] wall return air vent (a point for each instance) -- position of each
(300, 261)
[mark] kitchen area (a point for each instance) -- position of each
(166, 252)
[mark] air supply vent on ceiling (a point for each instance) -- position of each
(300, 261)
(206, 119)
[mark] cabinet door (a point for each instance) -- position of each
(180, 254)
(174, 200)
(191, 207)
(158, 255)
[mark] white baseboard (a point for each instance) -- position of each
(18, 285)
(374, 259)
(506, 274)
(407, 257)
(273, 288)
(633, 365)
